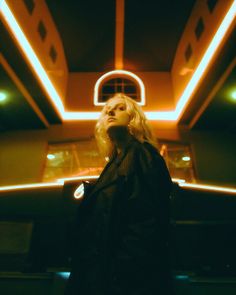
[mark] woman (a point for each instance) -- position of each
(121, 241)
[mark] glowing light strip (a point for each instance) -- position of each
(152, 116)
(96, 176)
(205, 61)
(178, 180)
(209, 187)
(74, 116)
(118, 72)
(79, 192)
(79, 178)
(160, 116)
(60, 182)
(32, 57)
(31, 186)
(64, 275)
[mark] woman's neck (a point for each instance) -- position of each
(120, 137)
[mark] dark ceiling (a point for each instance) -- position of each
(152, 31)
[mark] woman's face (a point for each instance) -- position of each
(116, 114)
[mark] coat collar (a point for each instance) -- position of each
(116, 159)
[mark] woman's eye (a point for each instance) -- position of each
(122, 108)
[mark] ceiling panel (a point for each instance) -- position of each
(87, 30)
(15, 111)
(17, 65)
(152, 33)
(221, 112)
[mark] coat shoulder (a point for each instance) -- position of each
(146, 154)
(140, 156)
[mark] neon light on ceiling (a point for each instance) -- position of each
(158, 116)
(70, 116)
(32, 57)
(114, 73)
(206, 59)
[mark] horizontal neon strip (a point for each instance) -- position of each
(60, 182)
(71, 116)
(209, 187)
(158, 116)
(79, 178)
(178, 180)
(31, 186)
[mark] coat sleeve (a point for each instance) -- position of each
(144, 216)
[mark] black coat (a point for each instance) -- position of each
(121, 238)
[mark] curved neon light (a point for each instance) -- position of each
(173, 115)
(114, 73)
(79, 192)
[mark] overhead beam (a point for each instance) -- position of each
(119, 38)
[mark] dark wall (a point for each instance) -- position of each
(214, 156)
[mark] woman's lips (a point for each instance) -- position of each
(111, 119)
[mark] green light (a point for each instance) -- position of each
(2, 96)
(233, 95)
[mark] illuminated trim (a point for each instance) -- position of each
(78, 178)
(206, 59)
(209, 187)
(74, 116)
(115, 73)
(31, 186)
(161, 116)
(60, 183)
(158, 116)
(178, 180)
(79, 192)
(32, 57)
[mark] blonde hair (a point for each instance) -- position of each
(138, 126)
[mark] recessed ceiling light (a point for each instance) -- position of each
(51, 156)
(3, 96)
(186, 158)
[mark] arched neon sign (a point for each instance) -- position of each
(116, 73)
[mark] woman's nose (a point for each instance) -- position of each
(111, 113)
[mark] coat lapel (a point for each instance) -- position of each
(107, 178)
